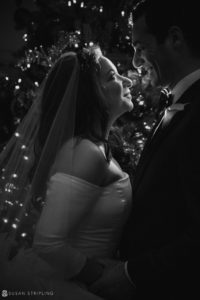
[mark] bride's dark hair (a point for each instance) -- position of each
(89, 106)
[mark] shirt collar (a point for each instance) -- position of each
(184, 84)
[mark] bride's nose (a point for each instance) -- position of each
(127, 82)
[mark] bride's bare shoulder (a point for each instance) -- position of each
(84, 159)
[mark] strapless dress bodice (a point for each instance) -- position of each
(100, 233)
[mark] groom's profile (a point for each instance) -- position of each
(161, 240)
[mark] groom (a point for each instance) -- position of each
(160, 248)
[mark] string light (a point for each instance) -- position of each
(69, 3)
(14, 226)
(17, 134)
(82, 4)
(9, 187)
(17, 87)
(9, 203)
(101, 9)
(130, 20)
(25, 37)
(46, 58)
(6, 78)
(74, 1)
(23, 147)
(24, 234)
(14, 175)
(36, 83)
(141, 102)
(5, 221)
(91, 44)
(123, 13)
(19, 80)
(26, 157)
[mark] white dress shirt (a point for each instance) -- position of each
(184, 84)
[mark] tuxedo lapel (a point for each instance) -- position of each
(162, 130)
(153, 143)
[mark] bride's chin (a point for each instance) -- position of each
(129, 105)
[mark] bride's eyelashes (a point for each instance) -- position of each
(112, 75)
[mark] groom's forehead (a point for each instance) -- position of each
(139, 27)
(140, 33)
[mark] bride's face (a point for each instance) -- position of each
(115, 89)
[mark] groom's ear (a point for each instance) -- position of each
(176, 38)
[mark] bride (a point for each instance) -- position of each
(86, 197)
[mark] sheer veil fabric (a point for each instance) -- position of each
(26, 160)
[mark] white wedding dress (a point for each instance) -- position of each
(92, 221)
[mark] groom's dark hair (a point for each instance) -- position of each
(161, 15)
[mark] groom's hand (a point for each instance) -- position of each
(114, 284)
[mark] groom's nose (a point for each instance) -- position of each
(137, 61)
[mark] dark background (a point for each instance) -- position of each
(10, 38)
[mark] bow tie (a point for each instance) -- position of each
(169, 112)
(168, 100)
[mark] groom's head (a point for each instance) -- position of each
(165, 36)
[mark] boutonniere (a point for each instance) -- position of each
(177, 107)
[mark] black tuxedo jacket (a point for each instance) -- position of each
(161, 239)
